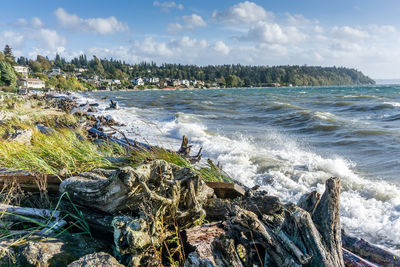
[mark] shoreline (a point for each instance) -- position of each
(213, 171)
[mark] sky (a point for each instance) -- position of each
(361, 34)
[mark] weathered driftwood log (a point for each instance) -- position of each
(353, 260)
(29, 181)
(301, 229)
(100, 223)
(172, 190)
(271, 248)
(129, 144)
(326, 218)
(309, 201)
(184, 151)
(261, 204)
(369, 251)
(51, 220)
(199, 240)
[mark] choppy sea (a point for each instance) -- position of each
(288, 140)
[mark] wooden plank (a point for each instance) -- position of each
(27, 180)
(226, 190)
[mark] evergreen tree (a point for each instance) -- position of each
(7, 74)
(8, 54)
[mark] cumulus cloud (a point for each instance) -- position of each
(242, 13)
(193, 21)
(221, 47)
(189, 23)
(166, 6)
(37, 23)
(12, 38)
(50, 39)
(349, 33)
(103, 26)
(273, 33)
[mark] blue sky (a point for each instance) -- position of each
(362, 34)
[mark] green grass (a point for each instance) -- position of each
(52, 153)
(210, 173)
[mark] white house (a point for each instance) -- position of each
(138, 81)
(154, 80)
(185, 82)
(21, 69)
(32, 83)
(116, 81)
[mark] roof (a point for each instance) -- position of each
(32, 80)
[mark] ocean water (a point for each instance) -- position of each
(288, 140)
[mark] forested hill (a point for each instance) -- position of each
(222, 75)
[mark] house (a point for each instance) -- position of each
(185, 83)
(118, 82)
(174, 82)
(80, 70)
(22, 69)
(154, 80)
(56, 71)
(137, 81)
(31, 83)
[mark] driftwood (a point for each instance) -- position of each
(51, 219)
(261, 204)
(29, 181)
(369, 251)
(226, 190)
(326, 218)
(173, 191)
(353, 260)
(184, 151)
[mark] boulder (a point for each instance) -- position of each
(22, 136)
(44, 129)
(96, 260)
(53, 251)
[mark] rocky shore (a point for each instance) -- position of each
(75, 191)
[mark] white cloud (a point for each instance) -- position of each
(297, 19)
(13, 39)
(189, 23)
(221, 47)
(174, 27)
(50, 39)
(349, 33)
(37, 23)
(94, 25)
(265, 32)
(244, 12)
(193, 21)
(166, 6)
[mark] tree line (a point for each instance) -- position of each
(221, 75)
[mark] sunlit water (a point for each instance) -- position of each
(289, 140)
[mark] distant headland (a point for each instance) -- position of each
(81, 74)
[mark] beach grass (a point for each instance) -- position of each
(53, 153)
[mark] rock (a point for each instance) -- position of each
(96, 260)
(131, 237)
(55, 251)
(80, 113)
(44, 129)
(92, 109)
(22, 136)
